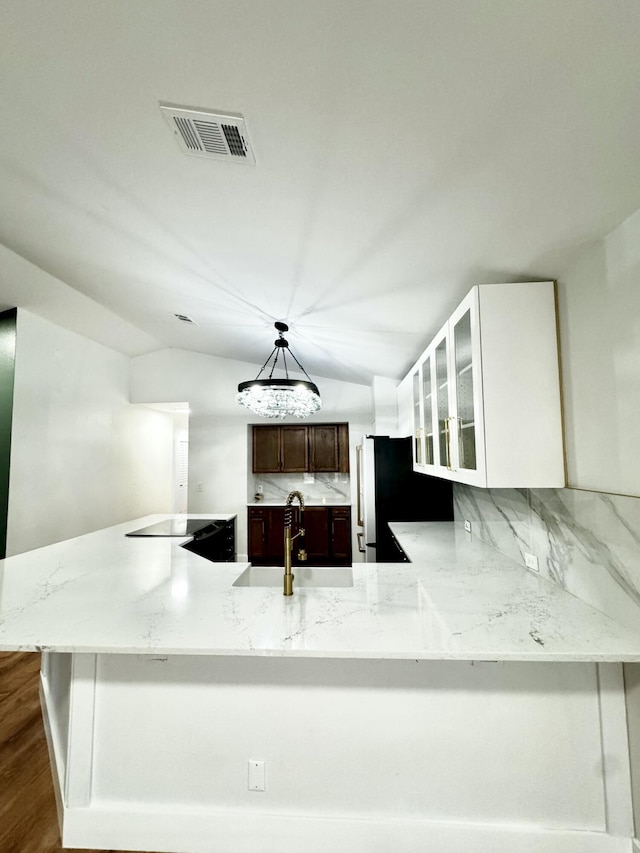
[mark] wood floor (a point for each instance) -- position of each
(28, 819)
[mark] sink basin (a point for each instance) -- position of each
(315, 578)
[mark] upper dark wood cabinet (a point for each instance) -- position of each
(323, 442)
(266, 449)
(294, 448)
(315, 448)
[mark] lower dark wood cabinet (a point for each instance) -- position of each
(341, 535)
(327, 538)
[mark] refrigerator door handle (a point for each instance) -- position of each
(360, 521)
(361, 548)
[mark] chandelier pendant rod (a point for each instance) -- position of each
(275, 361)
(266, 363)
(284, 360)
(299, 365)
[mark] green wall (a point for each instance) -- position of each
(7, 372)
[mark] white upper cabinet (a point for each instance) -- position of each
(486, 392)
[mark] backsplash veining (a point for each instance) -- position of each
(587, 542)
(316, 488)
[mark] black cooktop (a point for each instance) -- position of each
(173, 527)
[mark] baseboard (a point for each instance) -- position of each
(168, 830)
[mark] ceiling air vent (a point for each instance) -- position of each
(213, 135)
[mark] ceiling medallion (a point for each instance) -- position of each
(280, 398)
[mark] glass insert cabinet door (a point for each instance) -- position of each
(427, 403)
(465, 414)
(417, 421)
(442, 402)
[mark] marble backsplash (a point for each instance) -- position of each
(587, 542)
(316, 488)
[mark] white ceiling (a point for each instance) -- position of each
(406, 149)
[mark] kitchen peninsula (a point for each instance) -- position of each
(455, 700)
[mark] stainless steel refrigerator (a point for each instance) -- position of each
(390, 490)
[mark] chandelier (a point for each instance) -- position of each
(280, 398)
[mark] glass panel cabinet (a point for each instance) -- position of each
(445, 400)
(486, 391)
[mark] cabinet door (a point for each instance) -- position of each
(316, 541)
(266, 535)
(294, 452)
(257, 534)
(418, 444)
(442, 400)
(323, 440)
(266, 449)
(275, 535)
(341, 535)
(428, 413)
(466, 434)
(343, 448)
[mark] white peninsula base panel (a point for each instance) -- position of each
(154, 753)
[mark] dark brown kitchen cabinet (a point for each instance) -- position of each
(266, 449)
(316, 538)
(266, 535)
(329, 447)
(294, 449)
(327, 538)
(341, 535)
(280, 449)
(286, 449)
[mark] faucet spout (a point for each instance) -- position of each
(288, 539)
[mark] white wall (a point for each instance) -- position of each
(82, 457)
(385, 406)
(219, 457)
(599, 311)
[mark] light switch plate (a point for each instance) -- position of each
(257, 775)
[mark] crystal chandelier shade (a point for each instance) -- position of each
(280, 398)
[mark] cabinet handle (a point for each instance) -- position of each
(460, 444)
(447, 442)
(359, 485)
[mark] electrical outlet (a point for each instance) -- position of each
(257, 775)
(531, 562)
(467, 526)
(200, 487)
(259, 488)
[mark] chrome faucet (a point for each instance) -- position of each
(288, 540)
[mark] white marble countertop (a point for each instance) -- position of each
(458, 600)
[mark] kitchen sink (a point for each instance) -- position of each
(305, 578)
